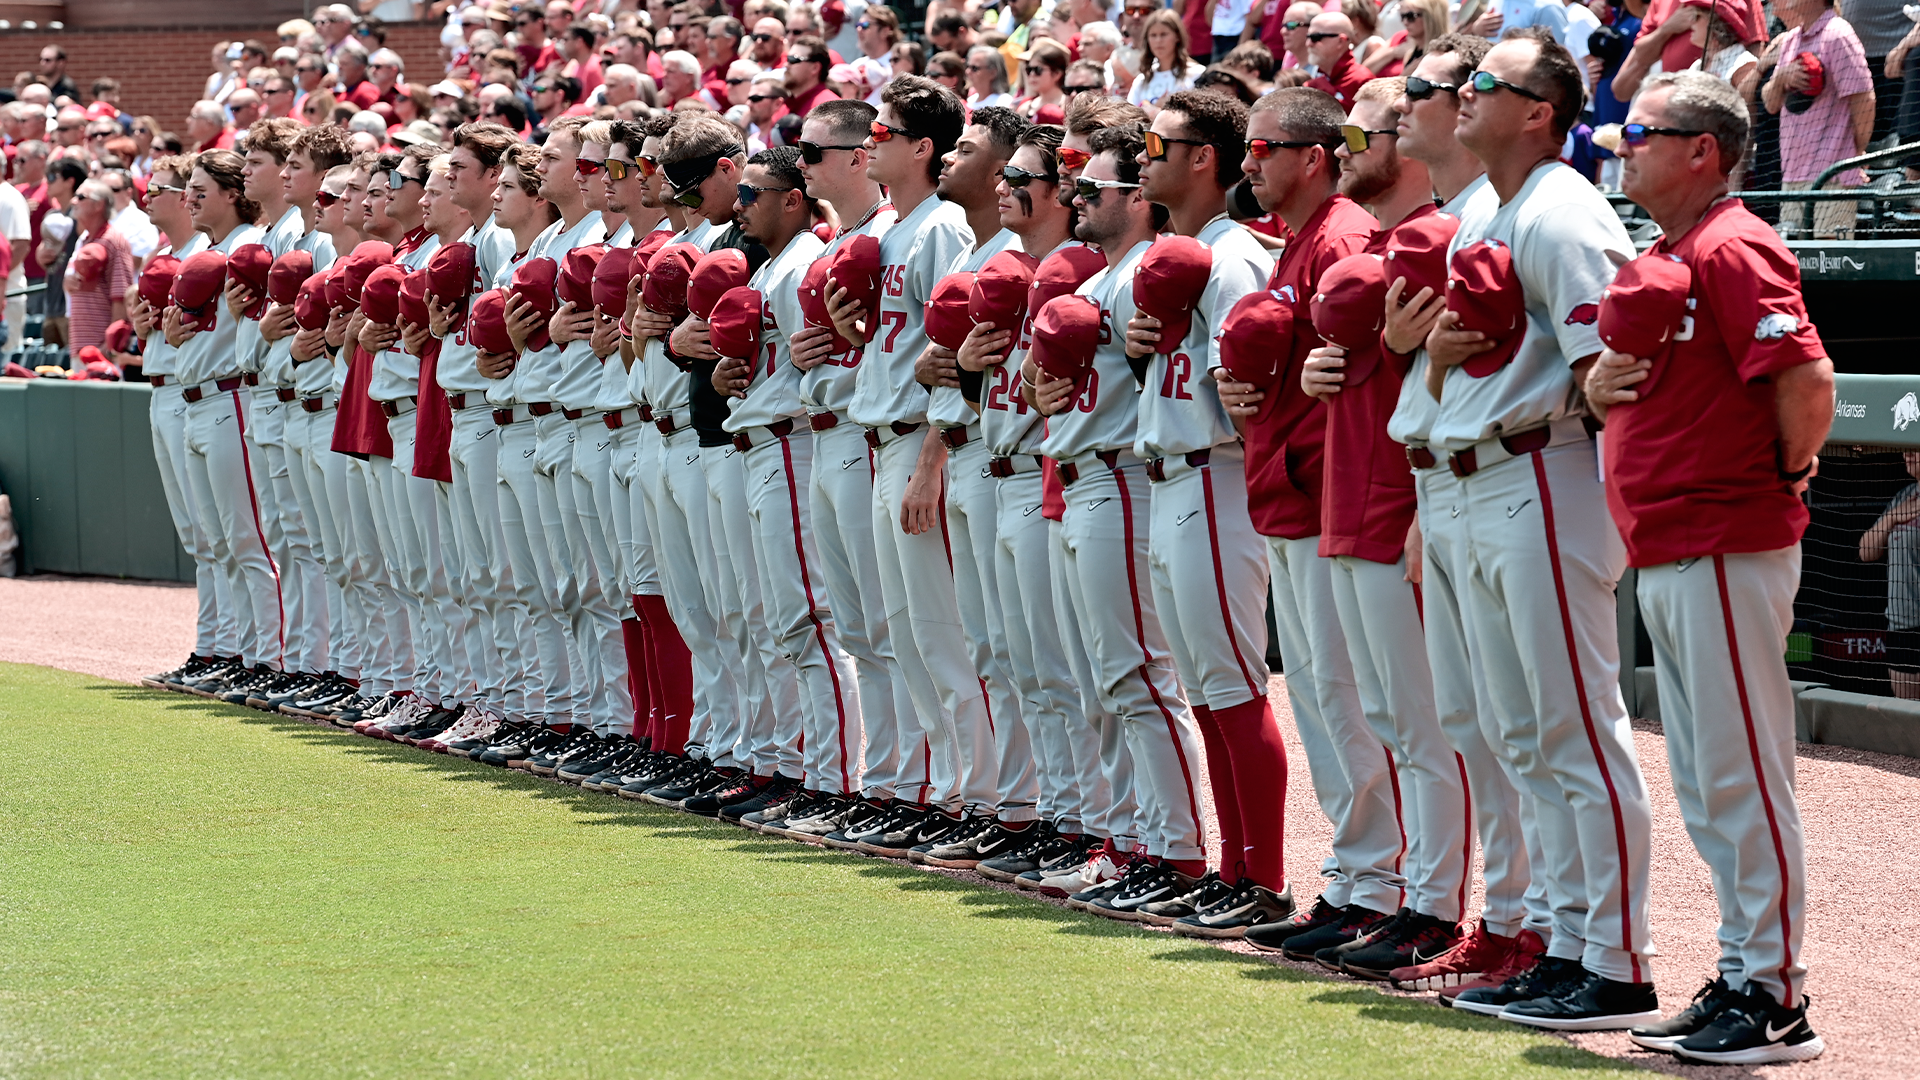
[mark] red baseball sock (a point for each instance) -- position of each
(633, 636)
(672, 667)
(1226, 804)
(1193, 868)
(1259, 762)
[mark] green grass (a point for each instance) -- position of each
(188, 889)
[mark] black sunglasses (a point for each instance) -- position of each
(1019, 178)
(1486, 82)
(1321, 37)
(763, 38)
(815, 153)
(1419, 89)
(747, 194)
(397, 180)
(1083, 89)
(791, 60)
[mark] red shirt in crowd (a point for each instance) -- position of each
(362, 93)
(803, 104)
(37, 206)
(1344, 81)
(90, 304)
(1286, 443)
(1693, 466)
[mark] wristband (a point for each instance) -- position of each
(1799, 475)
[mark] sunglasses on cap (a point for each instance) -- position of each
(1322, 36)
(397, 180)
(1262, 149)
(1157, 145)
(747, 194)
(885, 132)
(1071, 158)
(1359, 138)
(1019, 178)
(814, 153)
(1091, 190)
(1486, 82)
(1419, 89)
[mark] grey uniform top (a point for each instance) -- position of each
(209, 354)
(1412, 419)
(396, 372)
(1566, 243)
(774, 393)
(660, 380)
(922, 247)
(533, 376)
(157, 357)
(948, 406)
(829, 384)
(1106, 413)
(251, 349)
(1008, 424)
(458, 370)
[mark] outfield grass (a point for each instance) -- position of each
(189, 889)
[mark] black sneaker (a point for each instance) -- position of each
(1020, 857)
(579, 742)
(613, 749)
(1551, 976)
(431, 723)
(1147, 881)
(1596, 1003)
(1247, 906)
(1205, 892)
(1407, 939)
(191, 669)
(865, 819)
(1058, 854)
(284, 682)
(738, 789)
(297, 685)
(510, 743)
(1754, 1030)
(924, 826)
(544, 747)
(777, 790)
(669, 770)
(1352, 922)
(956, 846)
(215, 677)
(181, 680)
(1273, 936)
(320, 701)
(684, 785)
(237, 691)
(782, 802)
(614, 769)
(1695, 1018)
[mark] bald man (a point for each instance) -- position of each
(1330, 44)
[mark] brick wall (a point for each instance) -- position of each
(163, 71)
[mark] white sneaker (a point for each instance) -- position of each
(408, 711)
(1105, 865)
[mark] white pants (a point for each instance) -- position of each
(821, 742)
(505, 674)
(923, 616)
(388, 661)
(320, 605)
(1353, 778)
(1210, 579)
(840, 502)
(602, 643)
(685, 547)
(301, 592)
(1102, 765)
(772, 686)
(220, 476)
(413, 506)
(973, 512)
(1107, 569)
(560, 527)
(1544, 556)
(216, 632)
(325, 472)
(1719, 629)
(534, 577)
(386, 495)
(641, 467)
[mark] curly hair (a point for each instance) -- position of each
(325, 145)
(227, 169)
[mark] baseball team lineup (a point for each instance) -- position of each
(921, 490)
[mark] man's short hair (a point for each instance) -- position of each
(725, 26)
(510, 113)
(697, 135)
(782, 163)
(628, 133)
(1555, 76)
(1382, 91)
(275, 136)
(1467, 51)
(814, 49)
(1126, 142)
(1220, 122)
(850, 121)
(1252, 56)
(1004, 126)
(1088, 113)
(180, 165)
(930, 111)
(585, 33)
(950, 25)
(657, 125)
(485, 140)
(680, 60)
(104, 85)
(1703, 102)
(67, 168)
(525, 159)
(569, 126)
(598, 132)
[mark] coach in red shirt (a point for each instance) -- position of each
(1717, 393)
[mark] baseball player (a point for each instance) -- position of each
(1509, 937)
(1202, 536)
(1716, 539)
(1544, 557)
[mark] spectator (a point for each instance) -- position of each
(70, 127)
(1421, 21)
(554, 96)
(372, 29)
(351, 62)
(623, 85)
(807, 66)
(16, 231)
(57, 235)
(278, 97)
(724, 33)
(1896, 538)
(1044, 78)
(145, 130)
(1724, 54)
(244, 105)
(131, 221)
(739, 83)
(335, 24)
(949, 70)
(1098, 40)
(97, 279)
(908, 58)
(366, 120)
(950, 33)
(385, 69)
(986, 79)
(309, 73)
(1330, 43)
(53, 72)
(1825, 117)
(318, 108)
(876, 32)
(30, 180)
(769, 45)
(99, 132)
(559, 17)
(1228, 27)
(682, 79)
(1166, 67)
(766, 104)
(1881, 25)
(583, 63)
(207, 127)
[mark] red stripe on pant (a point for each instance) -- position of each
(1220, 583)
(1760, 778)
(1586, 712)
(1399, 820)
(813, 614)
(1466, 834)
(259, 530)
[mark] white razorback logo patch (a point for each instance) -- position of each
(1775, 326)
(1906, 411)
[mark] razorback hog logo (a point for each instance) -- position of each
(1584, 314)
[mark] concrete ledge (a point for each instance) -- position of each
(1830, 717)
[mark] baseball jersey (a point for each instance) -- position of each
(1105, 414)
(458, 369)
(774, 393)
(828, 386)
(209, 354)
(249, 347)
(158, 357)
(1566, 243)
(532, 378)
(396, 372)
(583, 374)
(1286, 437)
(1180, 409)
(617, 390)
(660, 380)
(948, 406)
(922, 247)
(1692, 467)
(1412, 421)
(1007, 423)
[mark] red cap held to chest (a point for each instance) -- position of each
(252, 266)
(380, 296)
(1350, 309)
(947, 320)
(89, 264)
(357, 267)
(156, 280)
(1066, 333)
(856, 268)
(608, 290)
(1062, 272)
(999, 293)
(735, 323)
(1484, 291)
(813, 301)
(450, 271)
(288, 273)
(576, 275)
(487, 322)
(413, 298)
(1646, 304)
(1417, 251)
(196, 291)
(665, 292)
(713, 275)
(310, 305)
(534, 281)
(1168, 284)
(1256, 339)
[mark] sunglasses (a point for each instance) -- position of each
(1037, 69)
(885, 132)
(321, 199)
(1636, 135)
(547, 89)
(1091, 190)
(1359, 138)
(1262, 149)
(747, 194)
(763, 38)
(617, 169)
(1083, 89)
(690, 198)
(1419, 89)
(765, 97)
(1294, 25)
(397, 180)
(1070, 158)
(588, 168)
(863, 25)
(1019, 178)
(979, 67)
(100, 134)
(738, 81)
(1486, 82)
(815, 153)
(1317, 38)
(799, 60)
(648, 166)
(1157, 145)
(164, 189)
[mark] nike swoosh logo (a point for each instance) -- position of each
(1683, 565)
(483, 434)
(529, 453)
(691, 458)
(1186, 517)
(849, 463)
(1775, 1036)
(1419, 959)
(1513, 510)
(602, 446)
(985, 849)
(219, 419)
(769, 478)
(1098, 503)
(1028, 512)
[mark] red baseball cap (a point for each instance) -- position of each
(713, 275)
(156, 280)
(196, 291)
(413, 298)
(645, 250)
(1256, 339)
(608, 289)
(534, 281)
(119, 336)
(252, 265)
(1066, 332)
(288, 272)
(665, 292)
(735, 323)
(813, 301)
(355, 268)
(856, 268)
(576, 275)
(1062, 272)
(999, 293)
(487, 322)
(310, 306)
(89, 264)
(1645, 305)
(1484, 291)
(947, 320)
(1168, 284)
(1417, 251)
(450, 273)
(1350, 304)
(380, 296)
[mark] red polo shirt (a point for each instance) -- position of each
(362, 93)
(803, 104)
(1344, 81)
(1367, 504)
(1286, 442)
(1692, 467)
